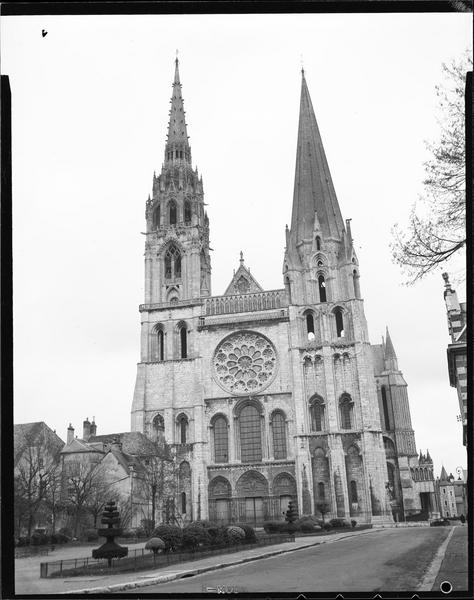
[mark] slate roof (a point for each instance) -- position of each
(34, 434)
(133, 442)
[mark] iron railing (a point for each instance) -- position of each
(145, 559)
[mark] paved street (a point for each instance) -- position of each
(392, 560)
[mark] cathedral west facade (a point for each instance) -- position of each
(270, 395)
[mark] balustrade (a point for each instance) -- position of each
(219, 305)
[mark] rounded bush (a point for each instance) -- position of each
(353, 523)
(327, 526)
(155, 545)
(274, 526)
(235, 534)
(339, 523)
(308, 527)
(170, 534)
(196, 536)
(38, 539)
(250, 535)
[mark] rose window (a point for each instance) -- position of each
(245, 362)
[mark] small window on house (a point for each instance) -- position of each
(310, 327)
(318, 243)
(322, 289)
(183, 341)
(353, 492)
(183, 502)
(339, 322)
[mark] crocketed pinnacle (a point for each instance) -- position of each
(314, 191)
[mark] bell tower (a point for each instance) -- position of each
(177, 261)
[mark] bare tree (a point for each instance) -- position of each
(34, 475)
(157, 480)
(436, 229)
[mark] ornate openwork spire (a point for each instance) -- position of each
(177, 145)
(314, 190)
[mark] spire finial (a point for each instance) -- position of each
(302, 65)
(241, 257)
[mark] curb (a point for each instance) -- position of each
(191, 572)
(428, 580)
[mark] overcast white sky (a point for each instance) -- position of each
(90, 106)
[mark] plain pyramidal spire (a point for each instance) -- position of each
(314, 190)
(177, 145)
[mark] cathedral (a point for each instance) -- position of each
(268, 396)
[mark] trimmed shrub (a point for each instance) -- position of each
(23, 541)
(38, 539)
(90, 535)
(339, 523)
(235, 534)
(66, 531)
(275, 526)
(195, 536)
(250, 535)
(353, 523)
(128, 533)
(308, 527)
(327, 526)
(155, 545)
(170, 534)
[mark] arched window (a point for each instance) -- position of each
(353, 491)
(172, 262)
(321, 492)
(310, 327)
(385, 408)
(172, 212)
(183, 429)
(345, 405)
(339, 322)
(183, 341)
(156, 217)
(250, 435)
(355, 279)
(317, 414)
(161, 344)
(279, 435)
(187, 212)
(318, 243)
(158, 426)
(220, 441)
(183, 502)
(322, 288)
(391, 475)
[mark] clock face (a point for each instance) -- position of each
(245, 362)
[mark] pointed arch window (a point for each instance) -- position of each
(279, 435)
(346, 406)
(250, 435)
(353, 492)
(317, 408)
(385, 408)
(318, 243)
(173, 212)
(322, 288)
(183, 503)
(321, 491)
(288, 288)
(157, 343)
(310, 326)
(156, 216)
(183, 429)
(183, 341)
(221, 441)
(172, 263)
(187, 212)
(339, 322)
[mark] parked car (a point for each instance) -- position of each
(439, 522)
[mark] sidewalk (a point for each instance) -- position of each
(27, 580)
(454, 566)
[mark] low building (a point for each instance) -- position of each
(446, 493)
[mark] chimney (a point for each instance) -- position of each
(93, 427)
(86, 429)
(70, 433)
(116, 445)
